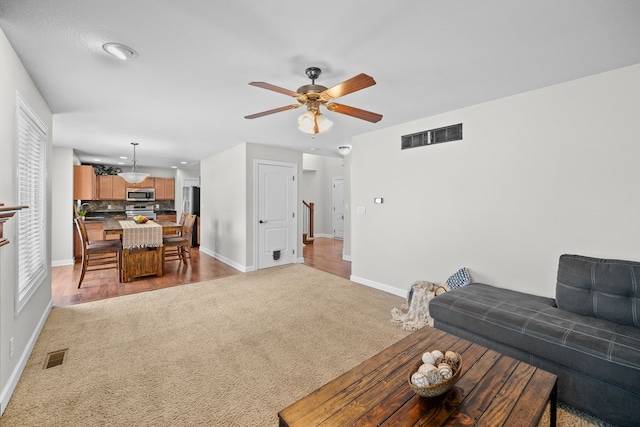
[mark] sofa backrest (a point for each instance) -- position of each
(604, 288)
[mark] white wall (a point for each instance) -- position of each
(227, 202)
(23, 327)
(223, 206)
(537, 175)
(61, 202)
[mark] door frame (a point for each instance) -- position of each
(256, 188)
(333, 202)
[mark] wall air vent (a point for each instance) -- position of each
(432, 136)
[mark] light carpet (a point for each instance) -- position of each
(227, 352)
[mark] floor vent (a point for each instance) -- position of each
(55, 358)
(432, 136)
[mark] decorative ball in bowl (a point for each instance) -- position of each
(436, 373)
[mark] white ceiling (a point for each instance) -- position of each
(185, 97)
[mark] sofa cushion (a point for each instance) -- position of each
(602, 288)
(595, 347)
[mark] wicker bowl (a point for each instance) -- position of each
(436, 389)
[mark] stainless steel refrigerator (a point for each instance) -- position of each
(191, 205)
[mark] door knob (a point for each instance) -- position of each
(263, 222)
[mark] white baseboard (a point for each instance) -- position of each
(239, 267)
(380, 286)
(330, 236)
(8, 390)
(62, 262)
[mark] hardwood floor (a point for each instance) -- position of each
(325, 254)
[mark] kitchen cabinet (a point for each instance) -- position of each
(165, 188)
(171, 217)
(148, 182)
(111, 187)
(84, 182)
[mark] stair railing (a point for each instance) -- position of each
(307, 220)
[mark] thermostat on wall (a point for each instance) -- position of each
(378, 200)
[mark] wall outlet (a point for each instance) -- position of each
(11, 347)
(157, 206)
(108, 206)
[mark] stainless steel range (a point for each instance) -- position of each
(144, 210)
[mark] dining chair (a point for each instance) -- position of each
(98, 254)
(179, 247)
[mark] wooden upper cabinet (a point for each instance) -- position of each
(170, 188)
(165, 188)
(119, 188)
(148, 182)
(84, 183)
(111, 187)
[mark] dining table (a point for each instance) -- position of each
(142, 249)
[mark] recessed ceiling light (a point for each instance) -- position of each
(120, 51)
(183, 163)
(121, 163)
(124, 157)
(97, 160)
(174, 167)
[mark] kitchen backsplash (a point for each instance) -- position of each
(118, 205)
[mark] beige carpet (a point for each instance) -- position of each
(228, 352)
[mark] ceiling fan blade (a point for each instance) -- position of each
(356, 83)
(275, 110)
(354, 112)
(275, 88)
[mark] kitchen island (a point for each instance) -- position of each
(146, 259)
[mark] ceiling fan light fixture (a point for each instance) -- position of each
(309, 122)
(120, 51)
(133, 177)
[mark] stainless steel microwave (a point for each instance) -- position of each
(141, 194)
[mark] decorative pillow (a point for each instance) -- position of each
(458, 279)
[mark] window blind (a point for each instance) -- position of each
(31, 180)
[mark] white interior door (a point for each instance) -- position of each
(276, 214)
(338, 208)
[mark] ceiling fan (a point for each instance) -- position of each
(313, 96)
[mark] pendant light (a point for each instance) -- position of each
(134, 177)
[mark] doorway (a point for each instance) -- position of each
(276, 212)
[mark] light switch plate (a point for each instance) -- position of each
(361, 210)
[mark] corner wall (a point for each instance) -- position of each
(538, 174)
(25, 327)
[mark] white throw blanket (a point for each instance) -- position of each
(415, 314)
(134, 236)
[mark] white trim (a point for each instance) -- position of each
(346, 257)
(333, 204)
(380, 286)
(230, 263)
(330, 236)
(62, 262)
(8, 390)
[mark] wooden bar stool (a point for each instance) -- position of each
(98, 254)
(178, 247)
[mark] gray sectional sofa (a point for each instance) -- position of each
(589, 335)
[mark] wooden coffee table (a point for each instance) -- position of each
(493, 389)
